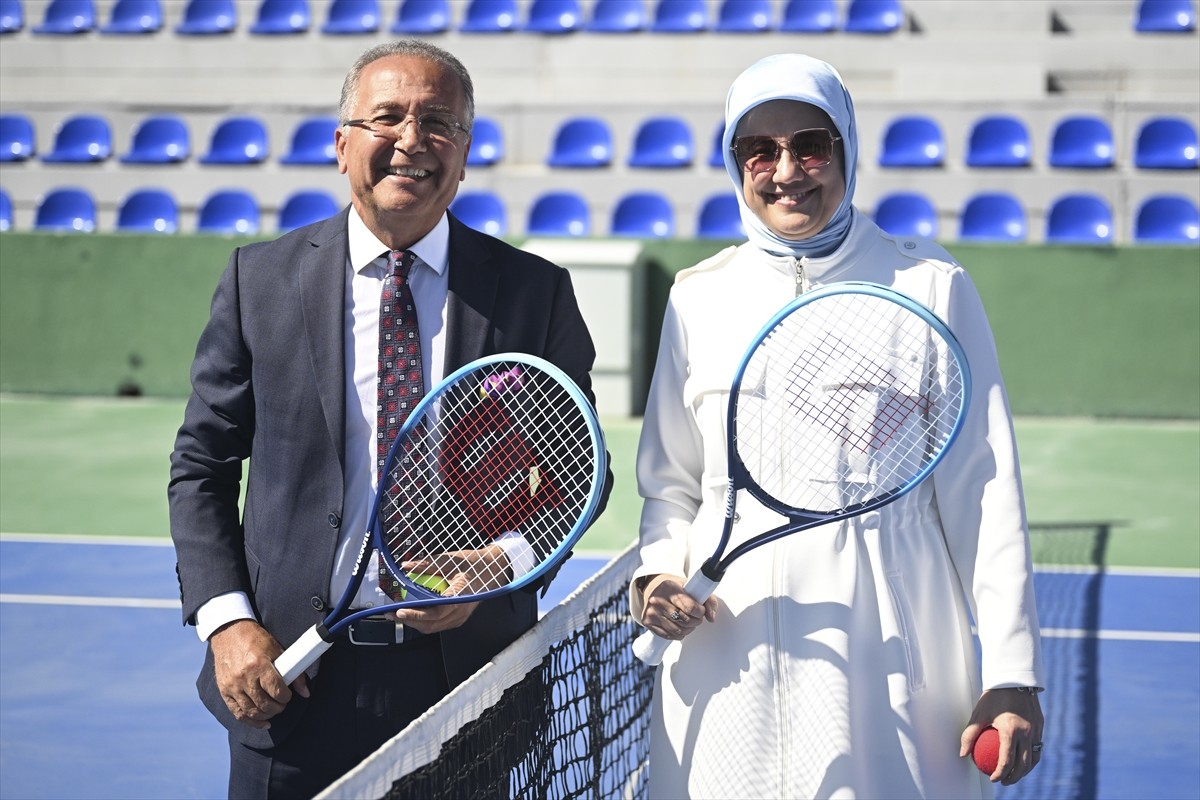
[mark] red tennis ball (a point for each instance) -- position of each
(987, 751)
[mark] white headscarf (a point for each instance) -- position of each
(792, 76)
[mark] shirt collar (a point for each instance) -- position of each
(433, 250)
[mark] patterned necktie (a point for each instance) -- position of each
(401, 380)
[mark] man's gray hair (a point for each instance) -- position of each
(407, 47)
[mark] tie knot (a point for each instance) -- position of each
(400, 262)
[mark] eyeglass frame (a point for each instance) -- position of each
(366, 124)
(788, 145)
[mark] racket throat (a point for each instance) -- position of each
(713, 569)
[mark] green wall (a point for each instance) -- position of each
(1081, 331)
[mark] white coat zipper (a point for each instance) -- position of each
(781, 693)
(799, 264)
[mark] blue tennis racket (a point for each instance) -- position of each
(506, 446)
(845, 401)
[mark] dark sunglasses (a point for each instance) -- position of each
(810, 148)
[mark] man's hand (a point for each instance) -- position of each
(244, 655)
(1017, 718)
(466, 572)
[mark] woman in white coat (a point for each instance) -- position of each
(837, 662)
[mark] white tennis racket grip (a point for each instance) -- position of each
(650, 647)
(300, 656)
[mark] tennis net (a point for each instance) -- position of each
(562, 713)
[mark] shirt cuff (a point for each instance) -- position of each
(521, 558)
(222, 610)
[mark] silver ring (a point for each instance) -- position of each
(675, 615)
(1037, 748)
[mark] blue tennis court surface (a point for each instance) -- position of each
(97, 696)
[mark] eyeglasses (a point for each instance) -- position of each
(810, 148)
(438, 126)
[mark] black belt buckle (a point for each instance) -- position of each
(376, 631)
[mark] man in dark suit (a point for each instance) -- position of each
(285, 376)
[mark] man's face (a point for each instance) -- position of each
(402, 186)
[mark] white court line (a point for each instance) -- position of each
(72, 538)
(1123, 636)
(91, 602)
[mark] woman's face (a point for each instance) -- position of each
(794, 199)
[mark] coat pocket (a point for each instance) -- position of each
(907, 630)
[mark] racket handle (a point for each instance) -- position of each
(650, 647)
(300, 656)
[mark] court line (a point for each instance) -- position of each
(90, 602)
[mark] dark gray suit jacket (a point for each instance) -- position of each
(268, 385)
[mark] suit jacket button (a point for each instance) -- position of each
(334, 520)
(317, 603)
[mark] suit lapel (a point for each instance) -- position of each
(471, 297)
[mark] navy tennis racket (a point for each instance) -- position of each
(507, 445)
(845, 401)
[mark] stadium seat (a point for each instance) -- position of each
(207, 18)
(6, 211)
(351, 17)
(133, 17)
(993, 217)
(1167, 219)
(487, 143)
(66, 210)
(874, 16)
(559, 214)
(716, 158)
(229, 211)
(907, 214)
(662, 142)
(744, 16)
(281, 17)
(680, 16)
(1079, 219)
(1166, 143)
(720, 218)
(12, 16)
(148, 211)
(1082, 142)
(306, 207)
(483, 211)
(999, 141)
(160, 139)
(809, 16)
(647, 215)
(618, 16)
(237, 140)
(17, 139)
(1165, 16)
(81, 139)
(422, 16)
(582, 142)
(312, 142)
(913, 142)
(554, 16)
(490, 16)
(68, 17)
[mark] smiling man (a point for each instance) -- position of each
(293, 370)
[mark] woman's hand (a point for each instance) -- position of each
(670, 612)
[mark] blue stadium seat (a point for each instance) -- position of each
(1167, 219)
(554, 16)
(160, 139)
(1166, 143)
(716, 158)
(12, 16)
(720, 218)
(744, 16)
(999, 141)
(306, 207)
(68, 17)
(481, 210)
(1079, 219)
(17, 139)
(618, 16)
(281, 17)
(913, 142)
(132, 17)
(582, 142)
(207, 18)
(874, 16)
(662, 142)
(237, 140)
(993, 217)
(66, 209)
(809, 16)
(81, 139)
(6, 211)
(490, 16)
(1165, 16)
(422, 16)
(229, 211)
(647, 215)
(148, 211)
(351, 17)
(907, 214)
(1082, 142)
(312, 142)
(680, 16)
(487, 143)
(559, 214)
